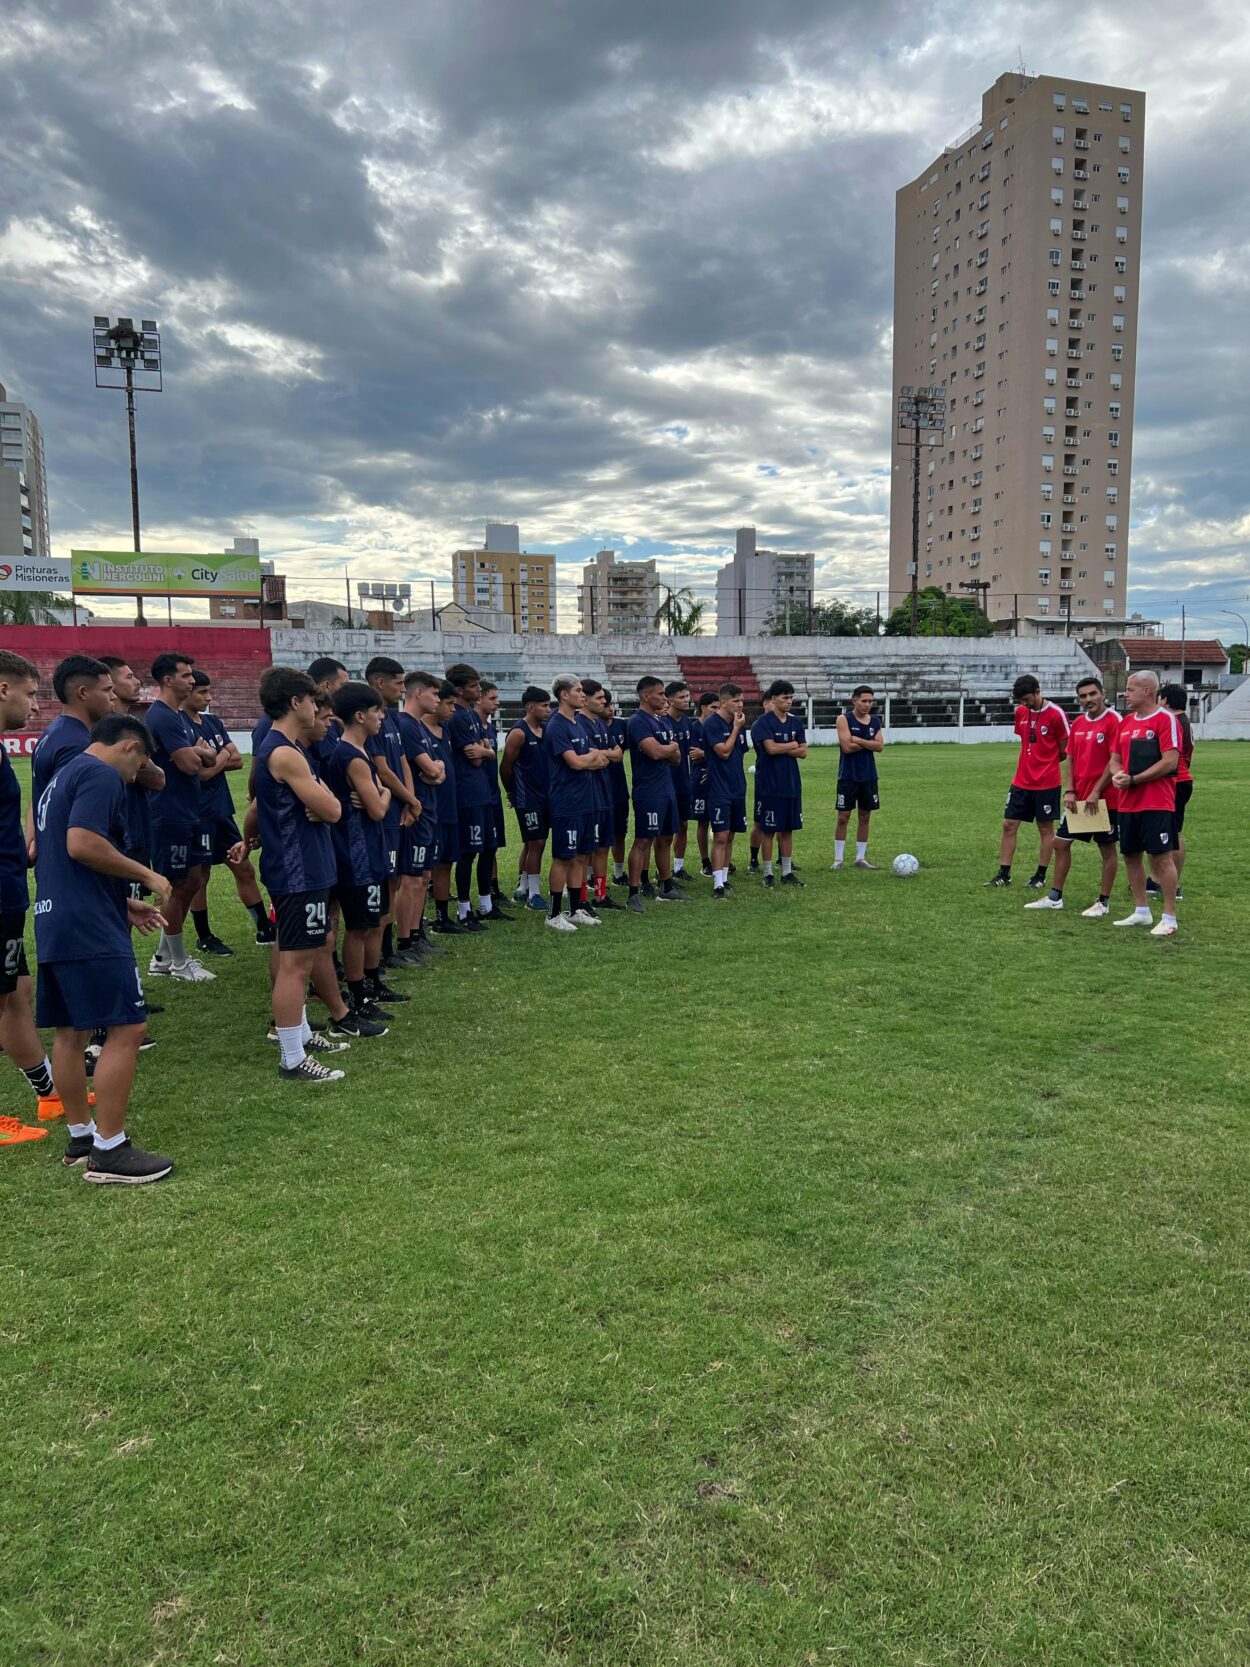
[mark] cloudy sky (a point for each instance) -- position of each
(618, 271)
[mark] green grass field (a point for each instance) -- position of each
(854, 1275)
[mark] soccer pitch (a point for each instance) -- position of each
(848, 1275)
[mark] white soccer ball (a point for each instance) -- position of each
(905, 866)
(750, 769)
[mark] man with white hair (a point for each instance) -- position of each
(1143, 772)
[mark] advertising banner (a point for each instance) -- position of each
(164, 573)
(25, 573)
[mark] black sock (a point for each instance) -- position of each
(202, 928)
(440, 908)
(356, 990)
(555, 902)
(1004, 870)
(1104, 897)
(388, 941)
(373, 979)
(633, 891)
(464, 878)
(1039, 873)
(486, 874)
(40, 1079)
(257, 912)
(1056, 894)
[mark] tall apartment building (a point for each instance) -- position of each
(758, 582)
(1017, 260)
(617, 598)
(24, 500)
(504, 578)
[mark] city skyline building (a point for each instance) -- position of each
(756, 583)
(505, 579)
(618, 598)
(1017, 266)
(23, 482)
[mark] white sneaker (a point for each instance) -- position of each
(1046, 903)
(1095, 911)
(1135, 919)
(158, 966)
(521, 894)
(1165, 929)
(580, 917)
(560, 923)
(834, 866)
(191, 972)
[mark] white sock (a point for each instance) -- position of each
(618, 870)
(175, 948)
(463, 911)
(722, 874)
(305, 1029)
(861, 849)
(291, 1042)
(839, 849)
(1171, 919)
(787, 863)
(483, 905)
(162, 948)
(106, 1143)
(1143, 909)
(533, 885)
(768, 867)
(79, 1131)
(679, 865)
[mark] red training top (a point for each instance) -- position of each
(1142, 742)
(1091, 741)
(1042, 735)
(1183, 772)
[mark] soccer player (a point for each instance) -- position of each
(595, 888)
(725, 745)
(469, 752)
(1143, 768)
(1087, 780)
(84, 688)
(678, 697)
(439, 726)
(419, 851)
(570, 760)
(860, 739)
(88, 980)
(524, 769)
(19, 685)
(779, 737)
(698, 785)
(486, 706)
(654, 760)
(386, 748)
(219, 832)
(1176, 698)
(295, 812)
(184, 757)
(328, 675)
(360, 850)
(1034, 796)
(127, 687)
(618, 787)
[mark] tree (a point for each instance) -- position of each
(1238, 655)
(939, 614)
(32, 607)
(821, 619)
(681, 613)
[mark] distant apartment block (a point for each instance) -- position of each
(1017, 260)
(503, 578)
(617, 598)
(757, 583)
(23, 484)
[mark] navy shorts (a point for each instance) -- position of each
(392, 842)
(419, 852)
(89, 995)
(12, 950)
(361, 906)
(656, 819)
(1032, 804)
(727, 815)
(134, 891)
(683, 806)
(222, 834)
(778, 815)
(474, 826)
(858, 795)
(176, 849)
(534, 825)
(448, 843)
(496, 832)
(1149, 832)
(698, 804)
(303, 918)
(574, 836)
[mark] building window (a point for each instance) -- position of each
(1113, 437)
(1108, 605)
(1056, 164)
(1061, 101)
(1108, 550)
(1125, 146)
(1117, 321)
(1048, 461)
(1043, 547)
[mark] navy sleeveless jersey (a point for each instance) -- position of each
(295, 854)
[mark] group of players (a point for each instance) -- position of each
(1136, 766)
(366, 800)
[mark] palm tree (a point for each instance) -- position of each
(31, 607)
(680, 613)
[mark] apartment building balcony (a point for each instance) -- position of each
(1080, 173)
(1078, 235)
(1068, 527)
(1081, 144)
(1078, 266)
(1067, 584)
(1069, 469)
(1075, 353)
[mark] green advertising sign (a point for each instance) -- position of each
(163, 573)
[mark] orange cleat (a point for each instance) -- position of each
(13, 1132)
(50, 1108)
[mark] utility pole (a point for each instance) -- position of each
(919, 410)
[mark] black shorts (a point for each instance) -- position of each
(1033, 804)
(1184, 792)
(12, 950)
(303, 918)
(1152, 832)
(683, 807)
(534, 825)
(1110, 838)
(496, 832)
(361, 906)
(858, 795)
(222, 835)
(90, 995)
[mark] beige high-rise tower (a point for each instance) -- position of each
(1017, 259)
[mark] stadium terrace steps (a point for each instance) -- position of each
(625, 667)
(709, 671)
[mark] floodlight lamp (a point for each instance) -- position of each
(148, 324)
(100, 321)
(906, 393)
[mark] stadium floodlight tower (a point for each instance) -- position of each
(920, 411)
(129, 359)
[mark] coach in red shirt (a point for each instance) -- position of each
(1087, 781)
(1042, 729)
(1143, 772)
